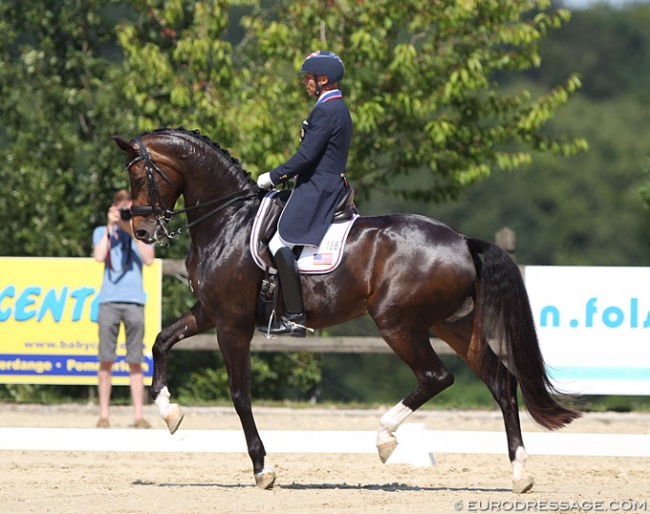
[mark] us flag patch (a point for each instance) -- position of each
(323, 259)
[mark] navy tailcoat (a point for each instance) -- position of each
(318, 168)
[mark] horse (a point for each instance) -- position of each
(410, 273)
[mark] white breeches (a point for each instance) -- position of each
(277, 242)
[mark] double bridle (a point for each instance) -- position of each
(164, 215)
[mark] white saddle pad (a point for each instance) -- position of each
(323, 259)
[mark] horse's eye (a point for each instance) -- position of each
(138, 181)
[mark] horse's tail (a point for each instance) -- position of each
(503, 311)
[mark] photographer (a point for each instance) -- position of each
(122, 300)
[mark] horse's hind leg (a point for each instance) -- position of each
(503, 386)
(501, 383)
(190, 323)
(432, 378)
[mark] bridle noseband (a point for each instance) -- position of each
(164, 215)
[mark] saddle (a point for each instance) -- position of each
(345, 210)
(265, 225)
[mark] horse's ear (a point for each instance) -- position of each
(125, 145)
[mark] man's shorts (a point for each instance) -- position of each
(111, 315)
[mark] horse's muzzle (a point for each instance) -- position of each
(146, 230)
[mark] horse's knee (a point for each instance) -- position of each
(159, 348)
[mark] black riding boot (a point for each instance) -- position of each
(294, 318)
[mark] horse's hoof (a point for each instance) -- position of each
(265, 479)
(386, 449)
(386, 444)
(522, 484)
(174, 417)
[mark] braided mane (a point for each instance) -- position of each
(231, 161)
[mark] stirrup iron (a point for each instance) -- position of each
(284, 326)
(293, 325)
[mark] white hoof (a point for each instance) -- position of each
(386, 444)
(386, 449)
(173, 417)
(522, 484)
(265, 479)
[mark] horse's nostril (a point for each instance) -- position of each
(141, 234)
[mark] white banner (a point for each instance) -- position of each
(593, 325)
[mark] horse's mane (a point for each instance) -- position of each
(227, 158)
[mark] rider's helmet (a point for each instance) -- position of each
(323, 62)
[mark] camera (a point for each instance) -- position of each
(125, 213)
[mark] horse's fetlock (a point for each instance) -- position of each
(392, 419)
(162, 401)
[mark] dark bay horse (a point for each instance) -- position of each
(411, 274)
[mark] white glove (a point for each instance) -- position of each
(264, 181)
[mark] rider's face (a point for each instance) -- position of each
(309, 81)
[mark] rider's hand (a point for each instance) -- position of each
(264, 181)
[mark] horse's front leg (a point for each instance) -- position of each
(235, 349)
(190, 323)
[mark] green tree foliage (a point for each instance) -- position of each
(434, 88)
(276, 376)
(179, 68)
(419, 79)
(609, 47)
(580, 211)
(585, 210)
(58, 105)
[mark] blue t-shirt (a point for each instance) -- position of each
(123, 273)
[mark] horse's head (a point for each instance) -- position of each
(155, 187)
(167, 163)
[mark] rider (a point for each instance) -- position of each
(319, 169)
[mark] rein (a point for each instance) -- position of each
(164, 215)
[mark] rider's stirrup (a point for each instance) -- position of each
(291, 324)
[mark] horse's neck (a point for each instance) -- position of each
(221, 227)
(207, 180)
(208, 189)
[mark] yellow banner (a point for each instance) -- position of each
(48, 321)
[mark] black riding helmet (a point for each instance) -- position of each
(323, 62)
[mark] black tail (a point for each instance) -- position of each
(503, 312)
